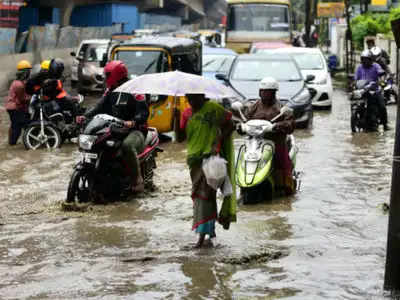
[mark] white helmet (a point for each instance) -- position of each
(269, 83)
(376, 51)
(366, 54)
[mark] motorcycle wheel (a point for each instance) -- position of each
(256, 194)
(78, 188)
(33, 139)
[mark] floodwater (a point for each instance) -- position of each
(326, 242)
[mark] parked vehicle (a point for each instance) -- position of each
(364, 113)
(86, 72)
(157, 55)
(254, 166)
(49, 126)
(100, 175)
(217, 61)
(249, 69)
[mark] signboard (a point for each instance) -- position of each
(330, 9)
(379, 2)
(9, 13)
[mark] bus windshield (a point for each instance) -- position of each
(258, 18)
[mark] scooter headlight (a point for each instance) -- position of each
(86, 142)
(357, 94)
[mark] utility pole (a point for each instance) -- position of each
(392, 270)
(307, 24)
(349, 42)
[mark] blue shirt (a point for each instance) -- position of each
(370, 74)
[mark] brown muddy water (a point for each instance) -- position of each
(326, 242)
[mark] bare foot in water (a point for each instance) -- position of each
(200, 242)
(208, 243)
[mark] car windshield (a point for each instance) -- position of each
(308, 61)
(258, 17)
(143, 62)
(217, 63)
(93, 52)
(256, 70)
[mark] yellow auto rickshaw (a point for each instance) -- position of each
(156, 55)
(210, 37)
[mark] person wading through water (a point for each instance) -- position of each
(208, 128)
(17, 102)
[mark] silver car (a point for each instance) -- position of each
(90, 54)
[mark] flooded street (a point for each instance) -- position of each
(326, 242)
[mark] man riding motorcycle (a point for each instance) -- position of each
(379, 55)
(371, 71)
(130, 108)
(267, 109)
(52, 70)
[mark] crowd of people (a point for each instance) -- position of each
(207, 128)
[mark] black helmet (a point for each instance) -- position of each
(56, 68)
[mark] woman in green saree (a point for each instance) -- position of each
(208, 128)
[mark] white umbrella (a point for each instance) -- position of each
(176, 84)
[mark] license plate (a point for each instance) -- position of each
(88, 156)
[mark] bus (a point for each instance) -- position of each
(250, 21)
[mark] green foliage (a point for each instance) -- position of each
(371, 24)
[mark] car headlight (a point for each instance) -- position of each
(302, 97)
(86, 141)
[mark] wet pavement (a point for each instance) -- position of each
(326, 242)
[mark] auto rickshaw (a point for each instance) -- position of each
(211, 37)
(156, 55)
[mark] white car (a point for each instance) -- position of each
(311, 61)
(90, 53)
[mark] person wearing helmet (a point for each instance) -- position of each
(267, 108)
(35, 81)
(371, 72)
(130, 108)
(18, 101)
(379, 55)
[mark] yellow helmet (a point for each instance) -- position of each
(24, 64)
(45, 65)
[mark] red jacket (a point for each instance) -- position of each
(17, 98)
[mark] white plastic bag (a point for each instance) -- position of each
(226, 188)
(214, 169)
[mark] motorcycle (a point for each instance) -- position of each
(389, 90)
(101, 173)
(50, 126)
(254, 166)
(364, 112)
